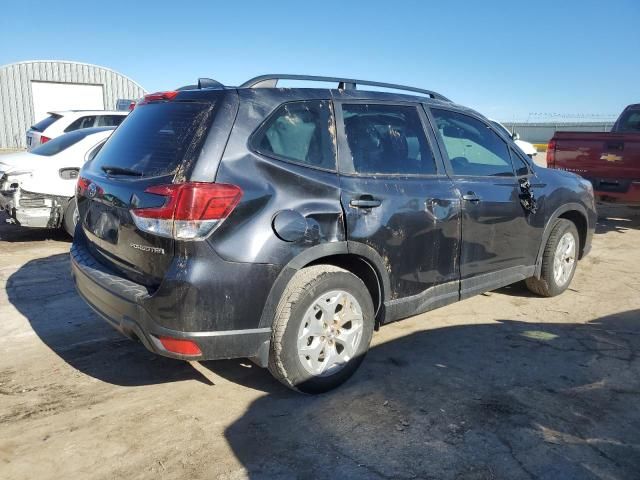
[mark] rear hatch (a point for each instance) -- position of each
(34, 133)
(155, 146)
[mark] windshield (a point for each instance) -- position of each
(501, 127)
(58, 144)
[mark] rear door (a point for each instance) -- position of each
(496, 230)
(398, 200)
(157, 143)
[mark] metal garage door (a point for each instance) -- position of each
(49, 96)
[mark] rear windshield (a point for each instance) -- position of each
(630, 121)
(42, 125)
(156, 138)
(58, 144)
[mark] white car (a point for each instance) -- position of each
(526, 147)
(59, 123)
(37, 188)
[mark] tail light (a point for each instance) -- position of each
(191, 211)
(158, 97)
(82, 185)
(44, 139)
(551, 154)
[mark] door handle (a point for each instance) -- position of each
(365, 201)
(471, 197)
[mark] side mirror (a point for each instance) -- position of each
(515, 136)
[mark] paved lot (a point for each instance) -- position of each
(504, 385)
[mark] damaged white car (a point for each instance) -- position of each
(37, 188)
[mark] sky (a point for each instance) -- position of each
(510, 60)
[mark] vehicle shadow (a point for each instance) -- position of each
(614, 218)
(502, 400)
(13, 233)
(42, 290)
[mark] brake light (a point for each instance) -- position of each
(191, 211)
(82, 185)
(180, 346)
(158, 96)
(44, 139)
(132, 105)
(551, 153)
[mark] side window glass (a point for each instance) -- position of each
(299, 132)
(82, 122)
(472, 147)
(386, 139)
(521, 166)
(109, 120)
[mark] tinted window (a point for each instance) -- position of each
(156, 138)
(58, 144)
(630, 121)
(473, 148)
(42, 125)
(299, 132)
(386, 139)
(82, 122)
(521, 166)
(109, 120)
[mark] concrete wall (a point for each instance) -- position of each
(542, 132)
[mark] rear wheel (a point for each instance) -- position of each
(559, 260)
(70, 217)
(322, 330)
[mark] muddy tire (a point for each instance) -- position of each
(322, 329)
(69, 218)
(559, 260)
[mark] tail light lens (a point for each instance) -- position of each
(44, 139)
(551, 154)
(158, 97)
(82, 185)
(191, 211)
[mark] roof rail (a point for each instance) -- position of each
(271, 81)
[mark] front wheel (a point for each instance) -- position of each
(559, 260)
(322, 330)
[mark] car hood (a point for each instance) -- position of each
(20, 162)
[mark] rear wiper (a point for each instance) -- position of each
(112, 170)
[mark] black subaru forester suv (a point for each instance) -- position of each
(287, 224)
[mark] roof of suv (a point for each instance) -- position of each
(346, 86)
(90, 112)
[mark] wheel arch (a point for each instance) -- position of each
(574, 212)
(357, 258)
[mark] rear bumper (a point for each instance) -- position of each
(122, 304)
(621, 191)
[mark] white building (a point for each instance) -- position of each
(28, 90)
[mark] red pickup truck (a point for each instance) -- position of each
(611, 161)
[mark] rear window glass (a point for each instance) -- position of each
(156, 138)
(58, 144)
(42, 125)
(630, 121)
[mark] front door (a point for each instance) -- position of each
(496, 229)
(399, 201)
